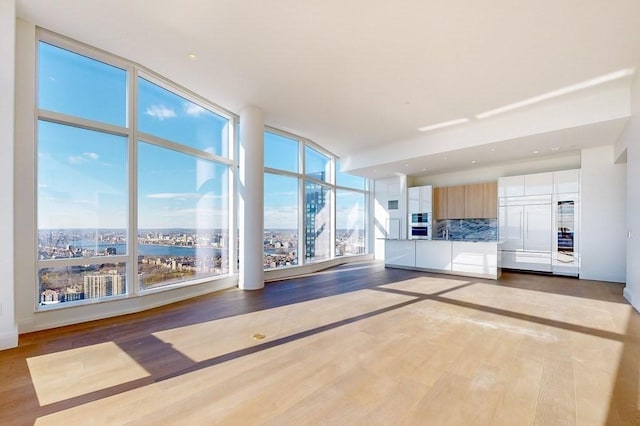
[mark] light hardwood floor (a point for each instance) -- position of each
(358, 344)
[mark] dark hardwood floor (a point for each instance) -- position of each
(140, 335)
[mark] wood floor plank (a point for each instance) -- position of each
(358, 344)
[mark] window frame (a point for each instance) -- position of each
(331, 182)
(133, 137)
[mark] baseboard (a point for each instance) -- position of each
(309, 268)
(627, 295)
(9, 339)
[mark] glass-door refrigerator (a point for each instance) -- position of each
(566, 253)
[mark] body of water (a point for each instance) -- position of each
(158, 250)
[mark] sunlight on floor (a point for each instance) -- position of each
(208, 340)
(426, 286)
(74, 372)
(602, 315)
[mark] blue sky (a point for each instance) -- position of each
(82, 175)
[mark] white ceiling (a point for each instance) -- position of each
(361, 75)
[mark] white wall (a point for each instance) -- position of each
(394, 188)
(8, 329)
(492, 173)
(630, 141)
(603, 216)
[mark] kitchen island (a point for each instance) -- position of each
(467, 258)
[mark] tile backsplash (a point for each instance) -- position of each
(467, 229)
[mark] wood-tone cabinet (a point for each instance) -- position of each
(474, 201)
(440, 203)
(490, 200)
(456, 202)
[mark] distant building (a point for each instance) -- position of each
(49, 296)
(316, 217)
(102, 285)
(110, 251)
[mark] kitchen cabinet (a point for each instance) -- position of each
(474, 258)
(538, 184)
(434, 255)
(455, 202)
(440, 203)
(566, 182)
(489, 200)
(518, 186)
(473, 201)
(481, 201)
(511, 186)
(400, 253)
(420, 199)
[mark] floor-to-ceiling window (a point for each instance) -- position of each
(281, 205)
(133, 179)
(310, 205)
(351, 213)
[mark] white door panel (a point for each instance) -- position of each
(511, 227)
(537, 228)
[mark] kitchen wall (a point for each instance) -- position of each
(603, 216)
(630, 143)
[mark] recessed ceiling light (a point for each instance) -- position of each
(555, 149)
(535, 152)
(473, 161)
(424, 170)
(493, 150)
(192, 56)
(406, 165)
(445, 158)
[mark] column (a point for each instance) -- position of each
(251, 198)
(8, 329)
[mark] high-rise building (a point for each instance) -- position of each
(315, 201)
(101, 285)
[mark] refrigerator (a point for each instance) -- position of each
(566, 242)
(525, 232)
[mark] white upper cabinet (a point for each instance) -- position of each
(511, 186)
(420, 199)
(538, 184)
(566, 182)
(518, 186)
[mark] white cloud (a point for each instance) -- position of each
(193, 109)
(160, 112)
(82, 158)
(283, 217)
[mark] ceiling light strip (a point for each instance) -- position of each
(444, 124)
